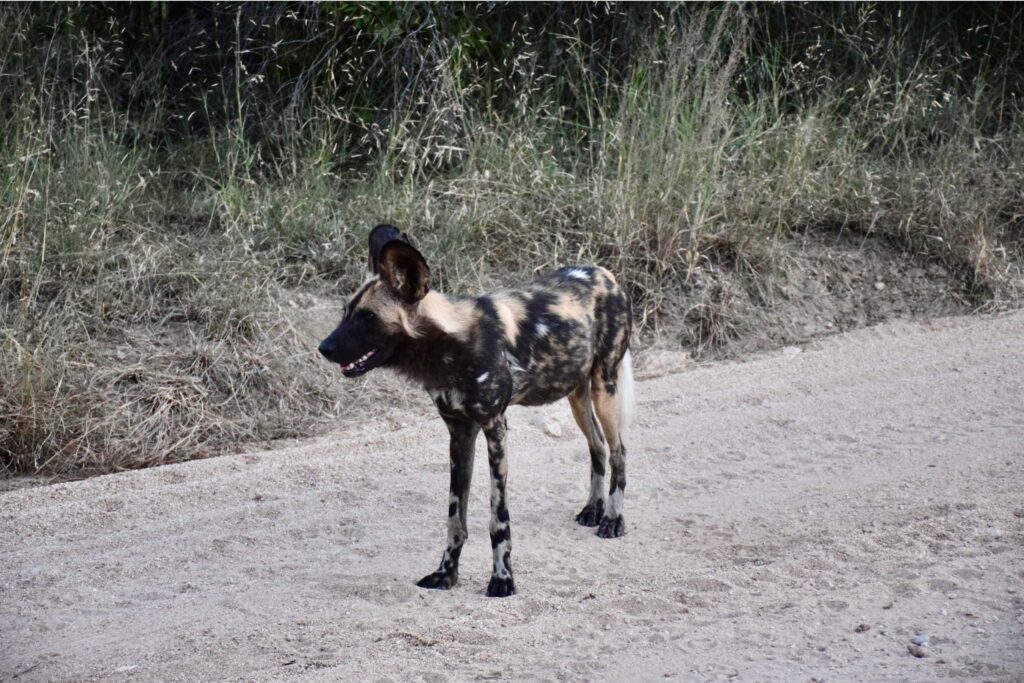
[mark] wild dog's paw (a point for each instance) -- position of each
(501, 588)
(439, 580)
(591, 513)
(612, 528)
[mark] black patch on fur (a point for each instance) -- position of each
(612, 528)
(502, 534)
(597, 462)
(501, 588)
(591, 513)
(379, 236)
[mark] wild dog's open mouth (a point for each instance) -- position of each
(359, 365)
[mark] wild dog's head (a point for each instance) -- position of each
(381, 315)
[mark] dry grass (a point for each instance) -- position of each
(146, 287)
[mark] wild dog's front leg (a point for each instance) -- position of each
(502, 584)
(463, 441)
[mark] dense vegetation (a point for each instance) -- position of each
(175, 177)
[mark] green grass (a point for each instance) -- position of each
(146, 287)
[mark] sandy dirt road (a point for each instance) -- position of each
(875, 480)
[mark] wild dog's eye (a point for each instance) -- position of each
(368, 315)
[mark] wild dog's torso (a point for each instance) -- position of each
(556, 326)
(526, 346)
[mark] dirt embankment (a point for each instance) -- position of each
(801, 516)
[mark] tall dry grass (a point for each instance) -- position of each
(146, 276)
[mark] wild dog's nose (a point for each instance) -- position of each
(326, 348)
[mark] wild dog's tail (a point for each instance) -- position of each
(627, 398)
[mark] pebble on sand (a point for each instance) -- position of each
(920, 639)
(862, 627)
(916, 650)
(549, 425)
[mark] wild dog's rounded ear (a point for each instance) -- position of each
(379, 236)
(404, 271)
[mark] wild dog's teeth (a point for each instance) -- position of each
(359, 361)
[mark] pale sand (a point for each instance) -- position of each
(773, 506)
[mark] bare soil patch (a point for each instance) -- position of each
(803, 515)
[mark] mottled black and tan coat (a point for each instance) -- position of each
(563, 335)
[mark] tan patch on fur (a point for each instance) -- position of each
(606, 283)
(455, 318)
(607, 409)
(389, 309)
(620, 338)
(568, 307)
(512, 313)
(606, 273)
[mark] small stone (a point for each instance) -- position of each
(916, 650)
(862, 627)
(549, 425)
(879, 285)
(790, 350)
(920, 639)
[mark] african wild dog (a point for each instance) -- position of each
(565, 334)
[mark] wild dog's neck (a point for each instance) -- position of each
(444, 326)
(453, 316)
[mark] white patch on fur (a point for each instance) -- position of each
(483, 378)
(596, 487)
(577, 273)
(495, 500)
(542, 330)
(627, 397)
(614, 504)
(513, 364)
(499, 560)
(455, 398)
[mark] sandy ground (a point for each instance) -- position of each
(801, 516)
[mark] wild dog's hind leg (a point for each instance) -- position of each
(463, 442)
(606, 405)
(583, 413)
(501, 584)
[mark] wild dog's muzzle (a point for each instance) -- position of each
(352, 368)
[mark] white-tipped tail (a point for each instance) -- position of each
(627, 399)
